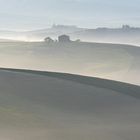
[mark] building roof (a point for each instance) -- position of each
(63, 36)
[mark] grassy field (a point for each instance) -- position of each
(44, 105)
(110, 61)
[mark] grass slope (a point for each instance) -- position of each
(108, 61)
(55, 106)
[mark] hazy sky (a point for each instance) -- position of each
(35, 14)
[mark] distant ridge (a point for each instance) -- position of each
(123, 35)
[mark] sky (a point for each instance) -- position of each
(37, 14)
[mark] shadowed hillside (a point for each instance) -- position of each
(124, 88)
(43, 105)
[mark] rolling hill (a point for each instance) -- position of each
(44, 105)
(108, 61)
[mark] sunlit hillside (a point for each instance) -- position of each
(109, 61)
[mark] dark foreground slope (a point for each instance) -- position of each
(43, 105)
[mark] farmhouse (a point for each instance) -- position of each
(64, 38)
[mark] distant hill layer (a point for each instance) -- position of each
(124, 35)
